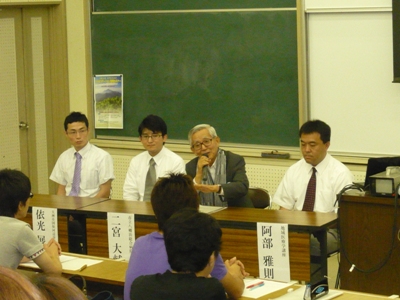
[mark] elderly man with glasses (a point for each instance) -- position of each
(155, 162)
(219, 176)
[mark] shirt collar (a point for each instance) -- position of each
(322, 165)
(157, 158)
(84, 150)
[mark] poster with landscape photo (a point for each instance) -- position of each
(108, 101)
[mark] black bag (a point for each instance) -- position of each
(80, 282)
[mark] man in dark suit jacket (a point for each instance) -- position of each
(219, 176)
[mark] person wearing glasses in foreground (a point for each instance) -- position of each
(218, 175)
(18, 243)
(149, 256)
(96, 168)
(153, 135)
(193, 241)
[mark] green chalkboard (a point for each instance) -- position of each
(236, 70)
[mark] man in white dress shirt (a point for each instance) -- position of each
(153, 135)
(97, 170)
(331, 177)
(91, 177)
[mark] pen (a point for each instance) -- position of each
(255, 284)
(82, 268)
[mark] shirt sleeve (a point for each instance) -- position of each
(219, 270)
(106, 169)
(57, 173)
(282, 195)
(29, 245)
(131, 189)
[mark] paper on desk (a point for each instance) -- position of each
(210, 209)
(299, 293)
(70, 263)
(268, 287)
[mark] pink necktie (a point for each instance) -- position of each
(310, 193)
(76, 181)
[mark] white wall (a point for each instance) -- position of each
(350, 59)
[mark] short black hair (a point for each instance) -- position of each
(153, 123)
(75, 117)
(316, 126)
(15, 187)
(172, 193)
(191, 237)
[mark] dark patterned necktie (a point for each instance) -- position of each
(76, 181)
(310, 193)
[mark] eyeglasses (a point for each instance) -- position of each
(74, 132)
(30, 195)
(154, 137)
(206, 142)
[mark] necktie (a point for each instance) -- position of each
(76, 181)
(150, 180)
(310, 193)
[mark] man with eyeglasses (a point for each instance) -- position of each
(219, 176)
(97, 170)
(83, 170)
(155, 162)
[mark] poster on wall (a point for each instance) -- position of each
(108, 101)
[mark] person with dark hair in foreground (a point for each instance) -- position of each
(17, 240)
(193, 241)
(149, 256)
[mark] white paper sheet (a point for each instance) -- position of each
(268, 287)
(210, 209)
(70, 263)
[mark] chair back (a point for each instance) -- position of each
(259, 197)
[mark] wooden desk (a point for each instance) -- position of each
(64, 203)
(347, 295)
(239, 231)
(110, 275)
(238, 225)
(366, 232)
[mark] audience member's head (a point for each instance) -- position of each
(76, 117)
(15, 286)
(58, 288)
(172, 193)
(15, 190)
(192, 240)
(316, 126)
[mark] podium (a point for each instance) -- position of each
(366, 226)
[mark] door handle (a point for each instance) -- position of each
(23, 125)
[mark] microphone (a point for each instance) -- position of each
(205, 168)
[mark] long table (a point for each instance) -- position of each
(238, 225)
(110, 275)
